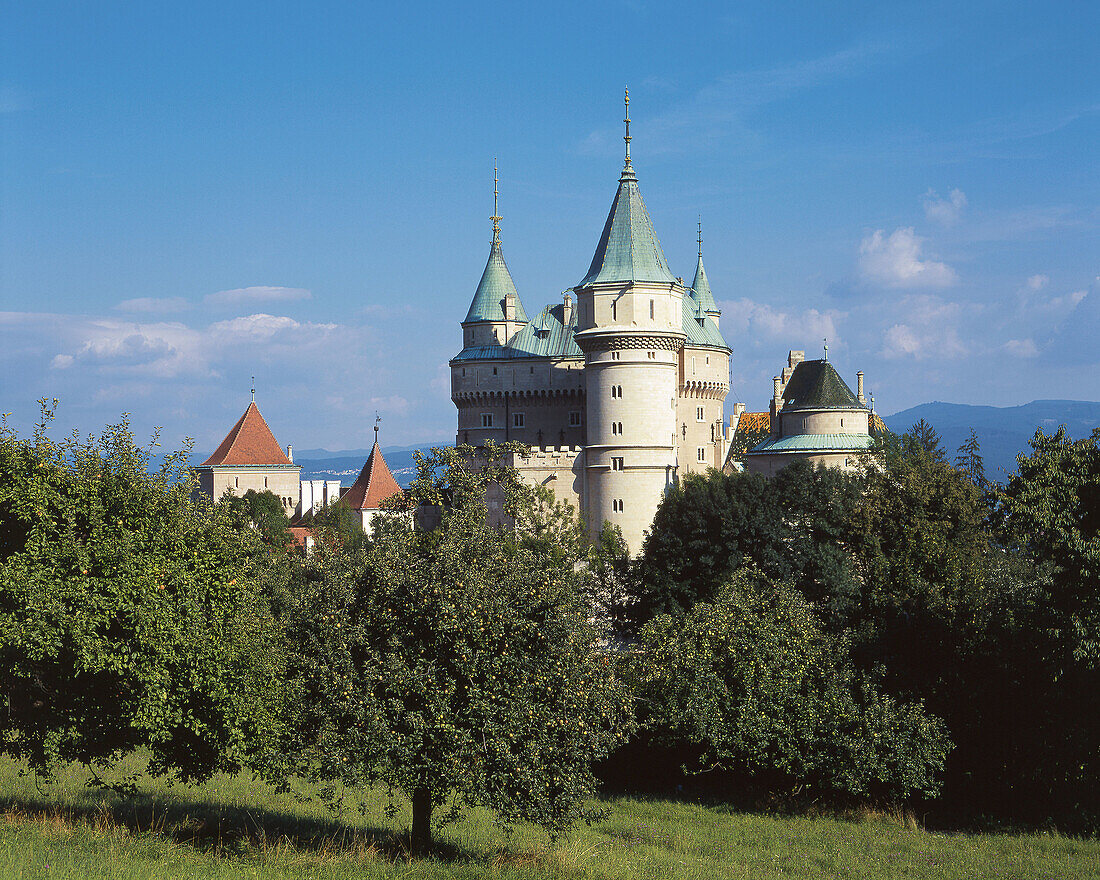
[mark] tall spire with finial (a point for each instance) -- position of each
(496, 203)
(377, 421)
(826, 341)
(700, 239)
(626, 137)
(253, 389)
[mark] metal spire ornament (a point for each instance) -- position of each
(496, 218)
(626, 137)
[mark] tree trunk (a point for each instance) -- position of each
(422, 820)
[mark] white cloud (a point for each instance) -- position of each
(250, 296)
(755, 319)
(1038, 282)
(946, 211)
(896, 261)
(929, 327)
(1021, 348)
(153, 304)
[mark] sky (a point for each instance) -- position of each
(195, 194)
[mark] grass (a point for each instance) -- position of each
(237, 827)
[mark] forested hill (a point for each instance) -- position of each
(1003, 431)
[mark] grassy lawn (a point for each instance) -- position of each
(236, 827)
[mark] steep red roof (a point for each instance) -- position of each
(374, 484)
(249, 443)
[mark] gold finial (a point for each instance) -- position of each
(700, 236)
(496, 202)
(626, 138)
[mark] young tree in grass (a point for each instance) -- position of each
(131, 616)
(457, 666)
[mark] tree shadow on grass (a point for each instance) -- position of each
(226, 830)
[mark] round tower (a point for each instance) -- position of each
(629, 327)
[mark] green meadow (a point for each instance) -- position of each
(235, 826)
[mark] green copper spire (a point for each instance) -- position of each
(701, 286)
(496, 281)
(628, 249)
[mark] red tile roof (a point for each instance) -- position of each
(249, 443)
(374, 484)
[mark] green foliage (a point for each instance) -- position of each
(754, 681)
(457, 664)
(1051, 510)
(130, 615)
(793, 527)
(337, 527)
(262, 511)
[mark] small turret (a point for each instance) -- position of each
(496, 313)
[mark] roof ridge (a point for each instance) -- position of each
(258, 445)
(374, 484)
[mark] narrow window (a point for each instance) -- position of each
(708, 360)
(699, 414)
(494, 371)
(842, 423)
(463, 371)
(701, 454)
(486, 420)
(692, 367)
(236, 482)
(616, 464)
(517, 420)
(532, 371)
(574, 420)
(265, 478)
(620, 424)
(652, 355)
(651, 310)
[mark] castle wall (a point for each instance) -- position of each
(703, 384)
(829, 421)
(283, 483)
(770, 465)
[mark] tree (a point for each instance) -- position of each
(337, 527)
(925, 436)
(262, 511)
(457, 664)
(131, 615)
(969, 460)
(1051, 510)
(752, 679)
(793, 527)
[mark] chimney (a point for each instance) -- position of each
(859, 388)
(777, 390)
(738, 408)
(509, 306)
(567, 310)
(290, 452)
(776, 406)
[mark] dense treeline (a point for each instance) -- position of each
(977, 603)
(908, 633)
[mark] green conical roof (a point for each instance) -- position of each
(701, 288)
(628, 249)
(496, 283)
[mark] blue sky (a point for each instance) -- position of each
(191, 194)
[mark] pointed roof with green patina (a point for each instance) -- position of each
(628, 249)
(496, 281)
(701, 286)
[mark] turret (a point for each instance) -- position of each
(496, 313)
(630, 330)
(700, 287)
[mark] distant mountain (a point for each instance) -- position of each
(317, 454)
(1003, 431)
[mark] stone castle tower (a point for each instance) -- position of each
(619, 388)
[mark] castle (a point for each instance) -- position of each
(619, 389)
